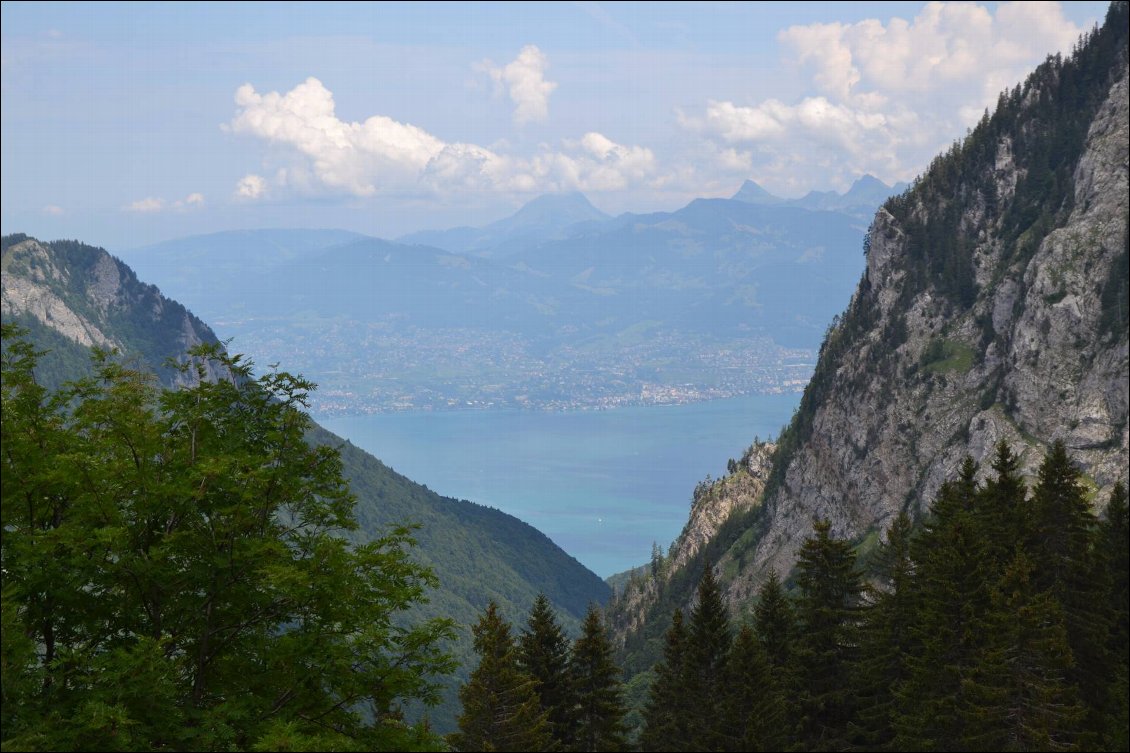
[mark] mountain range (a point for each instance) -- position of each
(638, 303)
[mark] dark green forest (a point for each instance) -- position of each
(999, 624)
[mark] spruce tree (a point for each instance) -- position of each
(1002, 508)
(951, 588)
(885, 637)
(1018, 695)
(543, 652)
(752, 712)
(774, 621)
(706, 662)
(667, 713)
(1063, 544)
(826, 647)
(599, 692)
(1114, 533)
(501, 710)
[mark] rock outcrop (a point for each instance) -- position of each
(82, 293)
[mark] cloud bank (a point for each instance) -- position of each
(887, 96)
(381, 155)
(154, 204)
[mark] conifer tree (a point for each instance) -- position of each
(752, 713)
(951, 590)
(826, 648)
(500, 706)
(1114, 533)
(885, 637)
(543, 652)
(1063, 546)
(1002, 508)
(599, 693)
(1018, 696)
(709, 647)
(774, 621)
(667, 713)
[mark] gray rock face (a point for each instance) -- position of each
(84, 301)
(1050, 372)
(36, 292)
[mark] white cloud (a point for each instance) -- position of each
(888, 96)
(251, 187)
(147, 205)
(153, 204)
(524, 78)
(53, 210)
(383, 155)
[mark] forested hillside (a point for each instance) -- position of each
(70, 296)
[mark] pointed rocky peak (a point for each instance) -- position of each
(752, 193)
(868, 190)
(556, 210)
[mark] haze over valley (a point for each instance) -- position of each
(719, 299)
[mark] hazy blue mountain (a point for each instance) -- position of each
(860, 201)
(208, 271)
(716, 265)
(865, 194)
(752, 193)
(373, 280)
(603, 313)
(547, 217)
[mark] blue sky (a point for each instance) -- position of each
(125, 124)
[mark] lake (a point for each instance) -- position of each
(603, 485)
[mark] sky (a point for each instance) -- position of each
(127, 124)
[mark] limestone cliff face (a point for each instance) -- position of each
(82, 293)
(716, 504)
(993, 306)
(1031, 358)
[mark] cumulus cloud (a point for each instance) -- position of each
(251, 187)
(384, 155)
(524, 79)
(146, 205)
(887, 95)
(153, 204)
(53, 210)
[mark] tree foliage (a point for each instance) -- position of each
(175, 577)
(599, 693)
(543, 652)
(501, 709)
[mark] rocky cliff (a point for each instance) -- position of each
(90, 298)
(993, 306)
(921, 372)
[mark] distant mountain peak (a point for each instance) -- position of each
(554, 208)
(868, 182)
(752, 193)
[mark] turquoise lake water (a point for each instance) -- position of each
(602, 484)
